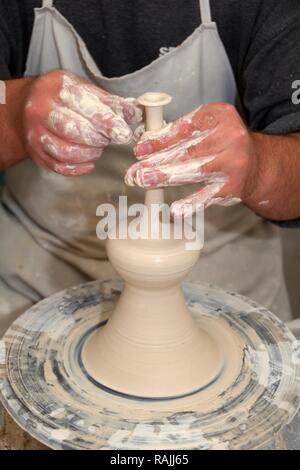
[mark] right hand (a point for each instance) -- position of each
(69, 121)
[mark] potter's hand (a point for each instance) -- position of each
(211, 146)
(69, 121)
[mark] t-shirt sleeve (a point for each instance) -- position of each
(13, 47)
(271, 66)
(5, 49)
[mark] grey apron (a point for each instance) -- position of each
(48, 239)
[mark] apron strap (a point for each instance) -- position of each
(205, 11)
(47, 3)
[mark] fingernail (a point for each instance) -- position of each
(128, 113)
(143, 149)
(132, 114)
(129, 179)
(146, 178)
(122, 134)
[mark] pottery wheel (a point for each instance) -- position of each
(47, 391)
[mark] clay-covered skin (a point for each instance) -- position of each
(210, 146)
(69, 121)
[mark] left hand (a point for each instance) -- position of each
(211, 145)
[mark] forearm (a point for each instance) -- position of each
(12, 139)
(273, 189)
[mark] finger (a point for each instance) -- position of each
(182, 152)
(88, 104)
(138, 133)
(153, 164)
(202, 198)
(127, 108)
(168, 136)
(45, 161)
(67, 153)
(124, 107)
(174, 175)
(203, 119)
(69, 125)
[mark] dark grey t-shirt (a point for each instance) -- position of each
(261, 37)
